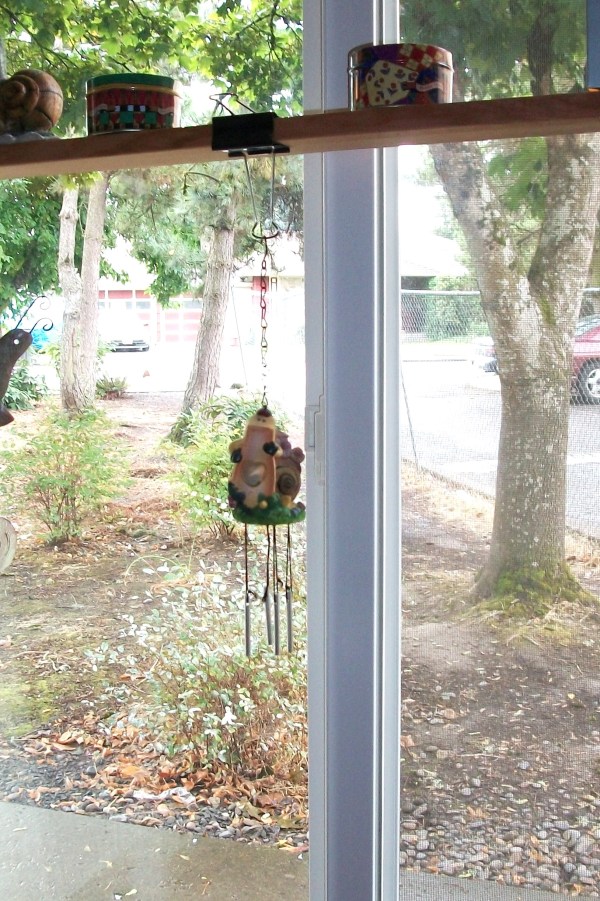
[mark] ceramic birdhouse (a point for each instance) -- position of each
(254, 491)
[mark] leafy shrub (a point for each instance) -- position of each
(226, 413)
(203, 477)
(191, 688)
(67, 471)
(205, 461)
(110, 387)
(24, 389)
(453, 316)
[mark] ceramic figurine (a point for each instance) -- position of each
(30, 101)
(253, 485)
(288, 469)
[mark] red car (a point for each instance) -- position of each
(585, 382)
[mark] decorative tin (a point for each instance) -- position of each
(399, 74)
(127, 102)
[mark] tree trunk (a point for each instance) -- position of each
(532, 317)
(79, 347)
(3, 73)
(205, 370)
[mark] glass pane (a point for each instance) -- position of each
(501, 366)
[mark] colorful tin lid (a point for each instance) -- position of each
(133, 80)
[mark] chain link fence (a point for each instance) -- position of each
(451, 397)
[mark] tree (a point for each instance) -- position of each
(188, 226)
(256, 44)
(531, 289)
(252, 49)
(79, 342)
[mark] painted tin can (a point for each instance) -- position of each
(399, 74)
(131, 102)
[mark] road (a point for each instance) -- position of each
(451, 424)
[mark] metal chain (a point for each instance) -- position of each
(264, 235)
(264, 346)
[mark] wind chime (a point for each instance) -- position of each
(266, 476)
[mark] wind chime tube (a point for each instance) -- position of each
(276, 615)
(288, 592)
(248, 626)
(268, 615)
(247, 609)
(277, 623)
(267, 594)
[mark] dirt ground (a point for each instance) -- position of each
(501, 726)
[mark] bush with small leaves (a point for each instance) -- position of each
(191, 688)
(67, 471)
(24, 389)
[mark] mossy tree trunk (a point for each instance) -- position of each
(532, 316)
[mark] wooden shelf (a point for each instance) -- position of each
(314, 133)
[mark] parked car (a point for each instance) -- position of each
(585, 380)
(124, 332)
(483, 354)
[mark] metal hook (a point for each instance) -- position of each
(220, 102)
(27, 309)
(46, 328)
(44, 305)
(257, 231)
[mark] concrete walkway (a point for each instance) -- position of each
(55, 856)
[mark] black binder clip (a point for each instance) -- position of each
(246, 135)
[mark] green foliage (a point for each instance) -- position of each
(52, 351)
(67, 471)
(168, 215)
(203, 478)
(249, 46)
(453, 316)
(110, 387)
(191, 688)
(500, 49)
(24, 389)
(254, 48)
(28, 242)
(205, 465)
